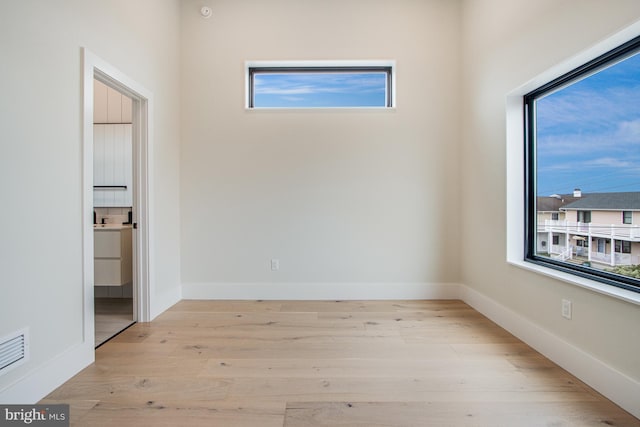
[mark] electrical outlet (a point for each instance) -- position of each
(275, 264)
(566, 309)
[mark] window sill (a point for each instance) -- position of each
(592, 285)
(321, 109)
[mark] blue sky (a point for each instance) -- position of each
(320, 89)
(588, 134)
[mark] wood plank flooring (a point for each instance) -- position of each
(327, 363)
(111, 316)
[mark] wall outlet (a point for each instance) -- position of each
(566, 309)
(275, 264)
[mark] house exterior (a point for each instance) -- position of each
(602, 228)
(549, 209)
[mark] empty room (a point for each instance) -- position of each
(320, 212)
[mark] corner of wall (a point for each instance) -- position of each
(165, 300)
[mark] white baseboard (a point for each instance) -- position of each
(616, 386)
(319, 291)
(165, 300)
(45, 378)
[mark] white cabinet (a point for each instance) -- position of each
(112, 165)
(113, 148)
(113, 264)
(109, 105)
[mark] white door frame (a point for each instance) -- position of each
(94, 67)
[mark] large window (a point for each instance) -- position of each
(319, 86)
(582, 155)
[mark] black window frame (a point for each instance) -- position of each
(387, 69)
(627, 215)
(530, 221)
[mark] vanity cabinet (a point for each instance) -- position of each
(113, 264)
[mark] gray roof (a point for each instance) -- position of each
(553, 203)
(626, 201)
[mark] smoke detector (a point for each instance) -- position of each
(206, 12)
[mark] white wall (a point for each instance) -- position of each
(337, 196)
(40, 165)
(505, 44)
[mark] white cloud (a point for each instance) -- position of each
(610, 162)
(591, 110)
(629, 131)
(299, 84)
(273, 90)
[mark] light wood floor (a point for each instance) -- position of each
(392, 363)
(111, 316)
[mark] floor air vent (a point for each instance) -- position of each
(14, 350)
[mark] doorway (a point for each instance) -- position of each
(114, 299)
(117, 264)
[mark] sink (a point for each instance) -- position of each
(108, 225)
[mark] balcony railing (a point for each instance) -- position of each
(619, 259)
(581, 254)
(563, 254)
(614, 231)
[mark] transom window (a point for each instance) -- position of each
(319, 86)
(582, 137)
